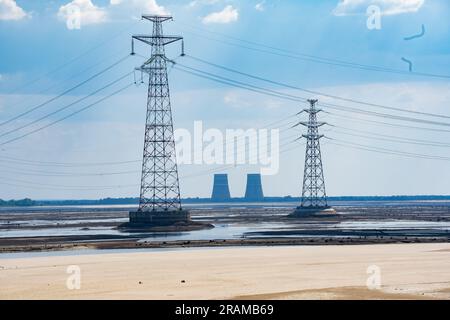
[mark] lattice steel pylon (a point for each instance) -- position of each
(314, 194)
(160, 191)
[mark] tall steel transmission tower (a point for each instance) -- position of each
(314, 197)
(160, 201)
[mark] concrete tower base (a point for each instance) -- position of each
(313, 211)
(162, 221)
(159, 218)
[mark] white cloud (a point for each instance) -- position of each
(388, 7)
(9, 10)
(260, 6)
(145, 6)
(151, 7)
(195, 3)
(227, 15)
(83, 12)
(78, 13)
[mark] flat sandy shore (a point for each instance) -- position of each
(406, 271)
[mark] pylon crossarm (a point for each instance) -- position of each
(157, 40)
(156, 18)
(147, 68)
(313, 136)
(312, 111)
(312, 124)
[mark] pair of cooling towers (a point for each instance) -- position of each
(221, 190)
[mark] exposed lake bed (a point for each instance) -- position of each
(91, 227)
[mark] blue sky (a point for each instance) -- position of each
(36, 45)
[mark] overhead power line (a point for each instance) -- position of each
(238, 84)
(77, 174)
(41, 187)
(396, 125)
(33, 185)
(65, 92)
(71, 61)
(274, 93)
(387, 151)
(58, 84)
(68, 116)
(63, 164)
(383, 137)
(295, 98)
(384, 115)
(234, 166)
(21, 171)
(67, 106)
(317, 92)
(65, 187)
(315, 59)
(21, 161)
(62, 174)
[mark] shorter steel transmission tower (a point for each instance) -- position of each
(314, 197)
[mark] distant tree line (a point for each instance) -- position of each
(134, 201)
(106, 201)
(18, 203)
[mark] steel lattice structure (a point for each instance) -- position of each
(314, 194)
(160, 189)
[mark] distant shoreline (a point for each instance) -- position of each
(134, 201)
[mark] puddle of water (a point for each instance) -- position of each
(220, 232)
(25, 223)
(393, 225)
(58, 232)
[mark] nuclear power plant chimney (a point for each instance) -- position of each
(254, 191)
(221, 191)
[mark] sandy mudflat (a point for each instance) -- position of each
(408, 271)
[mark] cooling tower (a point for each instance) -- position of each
(221, 191)
(254, 191)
